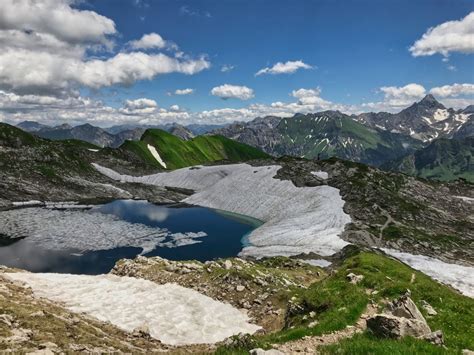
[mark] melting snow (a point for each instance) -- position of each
(320, 174)
(458, 276)
(175, 315)
(155, 154)
(85, 231)
(27, 203)
(298, 219)
(93, 150)
(316, 262)
(440, 115)
(465, 198)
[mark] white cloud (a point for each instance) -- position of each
(227, 67)
(451, 36)
(187, 91)
(149, 41)
(227, 91)
(403, 96)
(53, 56)
(55, 17)
(175, 108)
(27, 71)
(140, 103)
(453, 90)
(284, 68)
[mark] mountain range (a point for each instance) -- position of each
(425, 120)
(397, 141)
(109, 137)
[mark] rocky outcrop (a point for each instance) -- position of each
(403, 318)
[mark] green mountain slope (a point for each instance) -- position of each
(444, 159)
(177, 153)
(332, 133)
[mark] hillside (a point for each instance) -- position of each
(444, 159)
(33, 168)
(165, 150)
(324, 134)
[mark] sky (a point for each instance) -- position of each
(109, 62)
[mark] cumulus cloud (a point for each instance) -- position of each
(227, 91)
(451, 36)
(289, 67)
(187, 91)
(404, 95)
(28, 71)
(149, 41)
(140, 103)
(55, 17)
(47, 46)
(453, 90)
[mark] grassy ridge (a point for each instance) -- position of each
(338, 303)
(178, 153)
(335, 134)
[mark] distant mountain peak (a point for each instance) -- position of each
(430, 101)
(469, 109)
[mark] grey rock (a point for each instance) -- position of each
(354, 279)
(142, 332)
(428, 308)
(390, 326)
(436, 338)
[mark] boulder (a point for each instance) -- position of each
(404, 307)
(402, 318)
(390, 326)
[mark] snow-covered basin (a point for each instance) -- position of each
(174, 315)
(458, 276)
(297, 219)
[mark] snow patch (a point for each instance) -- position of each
(175, 315)
(297, 219)
(27, 203)
(320, 174)
(93, 150)
(316, 262)
(440, 115)
(155, 154)
(465, 198)
(458, 276)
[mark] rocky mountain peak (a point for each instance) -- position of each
(429, 101)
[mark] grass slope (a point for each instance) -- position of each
(178, 153)
(444, 160)
(338, 303)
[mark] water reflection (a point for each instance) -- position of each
(191, 233)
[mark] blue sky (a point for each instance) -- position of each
(357, 46)
(353, 49)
